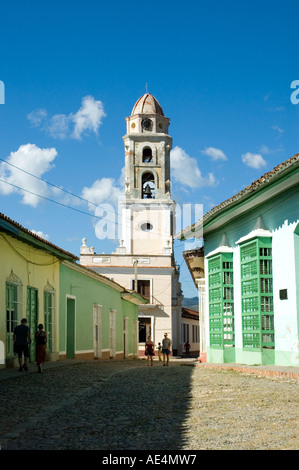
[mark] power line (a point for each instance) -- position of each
(50, 184)
(67, 192)
(48, 199)
(63, 205)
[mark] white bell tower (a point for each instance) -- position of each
(144, 261)
(147, 209)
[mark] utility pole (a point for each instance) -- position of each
(135, 281)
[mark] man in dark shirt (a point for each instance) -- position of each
(21, 342)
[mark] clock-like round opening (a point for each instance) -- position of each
(147, 124)
(146, 227)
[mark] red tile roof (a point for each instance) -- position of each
(36, 237)
(246, 192)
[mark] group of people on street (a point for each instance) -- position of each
(22, 340)
(163, 349)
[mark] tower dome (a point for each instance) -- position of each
(147, 104)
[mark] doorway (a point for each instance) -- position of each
(112, 335)
(97, 331)
(70, 327)
(32, 315)
(145, 328)
(125, 331)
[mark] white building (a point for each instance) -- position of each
(145, 255)
(248, 272)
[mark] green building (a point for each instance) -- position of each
(98, 318)
(86, 315)
(251, 272)
(29, 287)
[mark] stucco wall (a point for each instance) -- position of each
(87, 292)
(280, 217)
(34, 268)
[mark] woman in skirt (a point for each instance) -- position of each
(41, 341)
(149, 350)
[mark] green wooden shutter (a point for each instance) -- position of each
(221, 300)
(257, 294)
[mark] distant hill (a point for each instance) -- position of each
(191, 302)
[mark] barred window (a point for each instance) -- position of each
(221, 300)
(266, 304)
(256, 292)
(13, 309)
(49, 314)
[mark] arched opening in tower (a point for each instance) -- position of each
(148, 186)
(147, 156)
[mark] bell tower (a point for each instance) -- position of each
(144, 261)
(147, 209)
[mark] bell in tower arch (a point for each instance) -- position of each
(147, 192)
(148, 186)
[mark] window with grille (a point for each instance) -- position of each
(49, 315)
(221, 300)
(13, 309)
(257, 294)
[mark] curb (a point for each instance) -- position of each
(251, 370)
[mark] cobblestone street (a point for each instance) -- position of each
(115, 405)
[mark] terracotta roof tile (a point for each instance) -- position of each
(246, 192)
(33, 235)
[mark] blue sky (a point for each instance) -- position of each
(222, 72)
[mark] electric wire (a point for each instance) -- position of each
(24, 257)
(65, 191)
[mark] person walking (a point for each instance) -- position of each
(21, 338)
(149, 350)
(40, 347)
(166, 344)
(187, 348)
(159, 351)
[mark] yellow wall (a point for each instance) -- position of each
(35, 268)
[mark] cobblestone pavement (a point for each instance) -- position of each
(126, 405)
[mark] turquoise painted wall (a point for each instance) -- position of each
(274, 213)
(296, 247)
(279, 216)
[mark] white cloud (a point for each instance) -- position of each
(33, 160)
(266, 150)
(254, 160)
(58, 126)
(103, 190)
(215, 154)
(185, 170)
(103, 197)
(278, 129)
(40, 234)
(74, 125)
(89, 117)
(37, 117)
